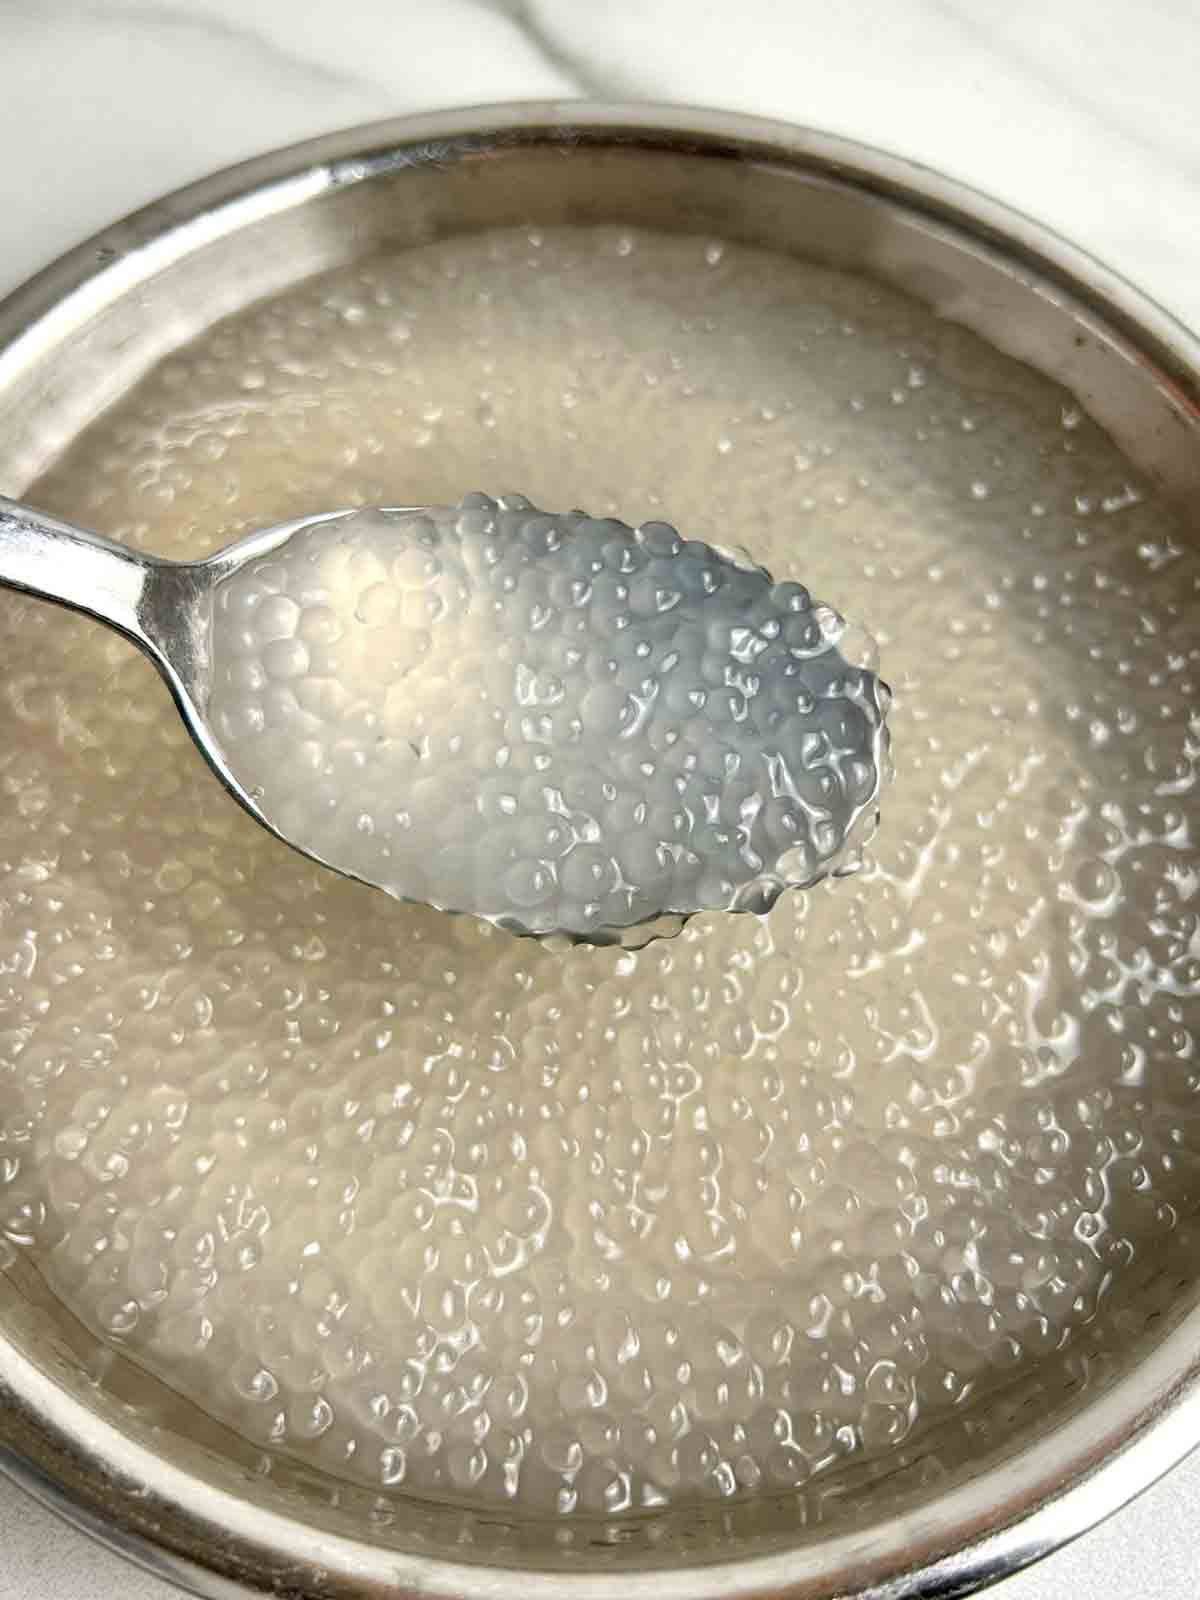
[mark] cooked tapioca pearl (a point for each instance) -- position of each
(528, 883)
(284, 657)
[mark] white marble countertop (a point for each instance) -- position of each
(1081, 112)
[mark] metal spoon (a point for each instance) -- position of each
(167, 609)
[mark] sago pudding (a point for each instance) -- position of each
(453, 1215)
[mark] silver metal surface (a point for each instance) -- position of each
(163, 607)
(88, 1432)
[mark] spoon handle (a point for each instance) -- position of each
(54, 561)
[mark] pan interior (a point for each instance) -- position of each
(775, 1225)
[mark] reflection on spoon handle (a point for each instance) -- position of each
(55, 561)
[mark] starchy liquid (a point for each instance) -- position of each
(451, 1214)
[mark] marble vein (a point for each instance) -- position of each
(555, 48)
